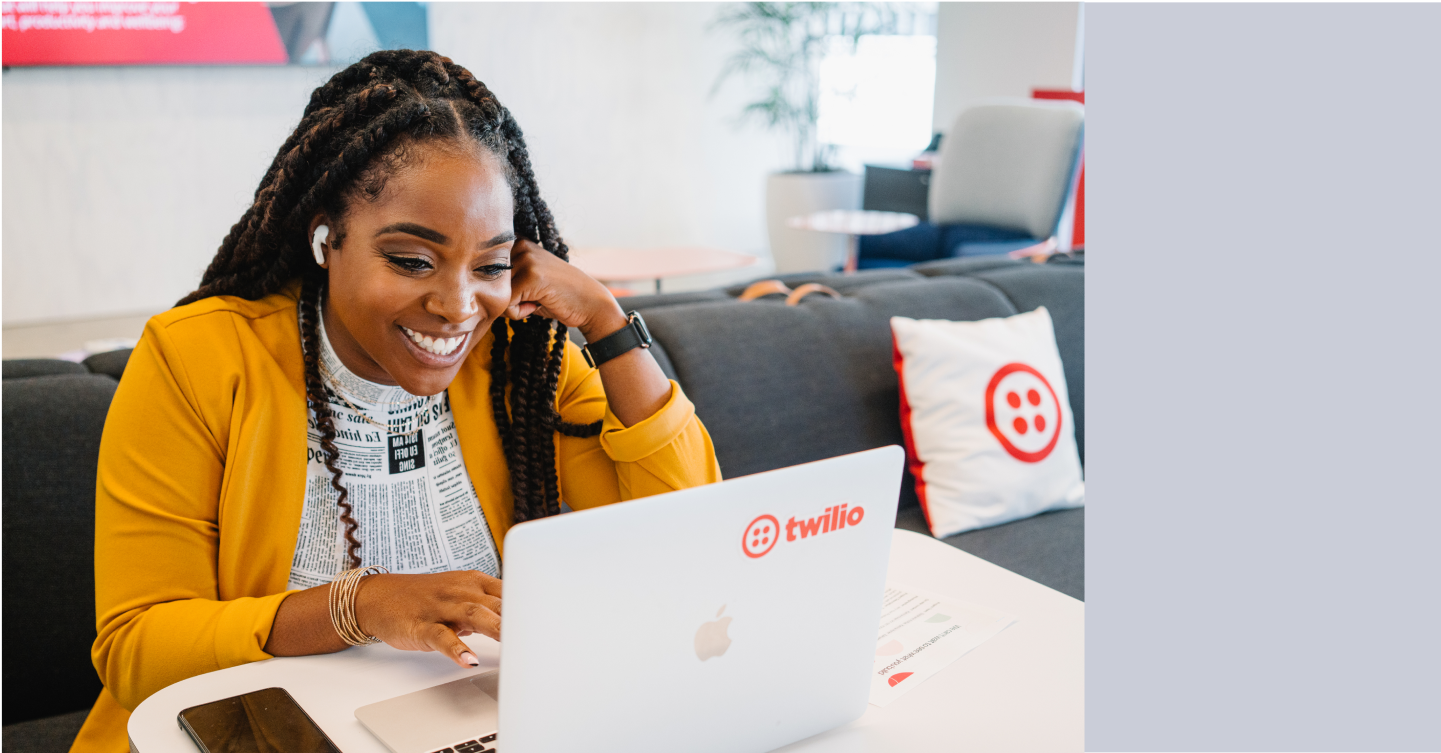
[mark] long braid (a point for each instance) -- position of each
(552, 379)
(311, 292)
(499, 378)
(356, 130)
(550, 418)
(525, 467)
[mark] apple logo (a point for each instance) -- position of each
(711, 639)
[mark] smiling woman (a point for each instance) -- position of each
(325, 443)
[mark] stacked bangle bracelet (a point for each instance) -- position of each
(342, 604)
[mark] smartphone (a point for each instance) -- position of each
(265, 721)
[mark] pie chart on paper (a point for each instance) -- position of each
(890, 649)
(897, 677)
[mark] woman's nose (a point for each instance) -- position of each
(453, 302)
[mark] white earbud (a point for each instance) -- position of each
(317, 243)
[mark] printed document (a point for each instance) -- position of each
(921, 634)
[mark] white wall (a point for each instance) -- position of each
(614, 100)
(119, 183)
(1000, 50)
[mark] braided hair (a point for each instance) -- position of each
(359, 128)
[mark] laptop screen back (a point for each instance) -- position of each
(735, 616)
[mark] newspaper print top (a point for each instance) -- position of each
(412, 496)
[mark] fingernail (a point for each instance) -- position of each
(470, 659)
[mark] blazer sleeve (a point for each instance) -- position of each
(670, 450)
(159, 616)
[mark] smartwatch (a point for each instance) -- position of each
(633, 335)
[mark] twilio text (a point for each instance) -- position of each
(764, 532)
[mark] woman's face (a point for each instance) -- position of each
(423, 270)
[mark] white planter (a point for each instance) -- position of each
(791, 194)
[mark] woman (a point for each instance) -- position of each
(399, 284)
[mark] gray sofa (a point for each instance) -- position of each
(775, 385)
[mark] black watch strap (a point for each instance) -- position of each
(633, 335)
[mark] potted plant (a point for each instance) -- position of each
(781, 45)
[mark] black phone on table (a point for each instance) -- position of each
(263, 721)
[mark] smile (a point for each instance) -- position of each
(438, 346)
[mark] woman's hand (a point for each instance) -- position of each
(542, 283)
(635, 387)
(412, 612)
(430, 612)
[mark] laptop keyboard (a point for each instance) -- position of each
(479, 745)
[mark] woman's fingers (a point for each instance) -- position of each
(488, 584)
(521, 310)
(444, 640)
(478, 617)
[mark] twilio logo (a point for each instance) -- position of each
(761, 536)
(764, 532)
(1023, 413)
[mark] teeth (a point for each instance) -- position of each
(438, 346)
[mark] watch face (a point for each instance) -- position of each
(641, 329)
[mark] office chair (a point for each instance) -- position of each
(1000, 184)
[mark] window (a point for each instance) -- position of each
(877, 93)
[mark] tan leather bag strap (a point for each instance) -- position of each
(762, 288)
(806, 289)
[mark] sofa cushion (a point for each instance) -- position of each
(965, 265)
(110, 363)
(840, 283)
(778, 385)
(52, 428)
(20, 368)
(52, 734)
(651, 300)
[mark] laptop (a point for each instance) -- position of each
(737, 616)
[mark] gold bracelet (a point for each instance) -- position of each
(342, 605)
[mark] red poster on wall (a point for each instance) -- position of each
(140, 33)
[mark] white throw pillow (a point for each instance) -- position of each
(990, 437)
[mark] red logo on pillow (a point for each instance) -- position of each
(1023, 412)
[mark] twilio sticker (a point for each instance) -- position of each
(761, 536)
(1023, 413)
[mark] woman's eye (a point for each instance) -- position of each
(492, 271)
(409, 263)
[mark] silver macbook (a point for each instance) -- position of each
(738, 616)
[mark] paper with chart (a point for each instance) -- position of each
(920, 634)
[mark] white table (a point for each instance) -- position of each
(1021, 690)
(853, 223)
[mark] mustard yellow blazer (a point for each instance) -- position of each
(202, 477)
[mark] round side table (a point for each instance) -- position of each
(854, 223)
